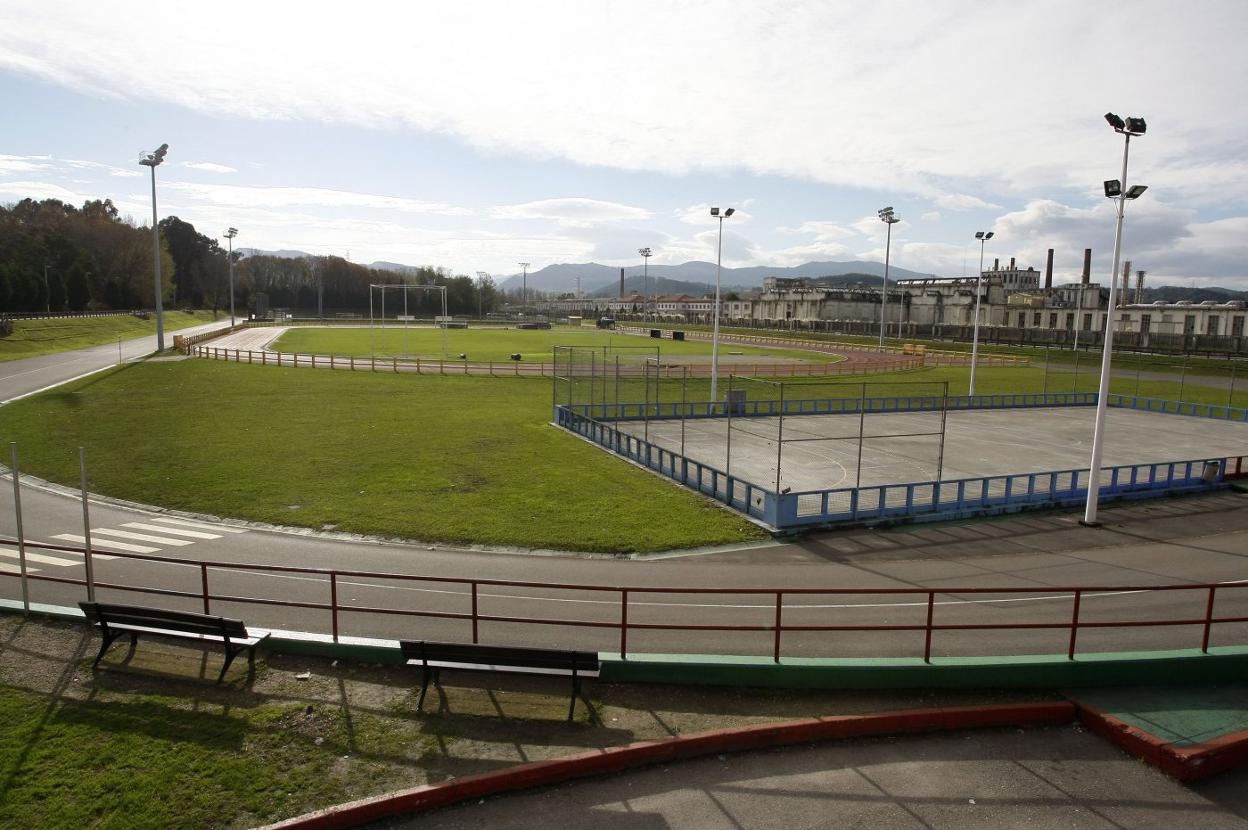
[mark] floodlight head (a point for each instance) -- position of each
(644, 252)
(882, 211)
(714, 211)
(979, 234)
(1114, 121)
(729, 211)
(1136, 191)
(231, 233)
(1136, 126)
(988, 235)
(1113, 188)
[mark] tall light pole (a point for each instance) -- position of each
(230, 234)
(153, 160)
(982, 236)
(645, 278)
(719, 257)
(524, 284)
(47, 291)
(887, 217)
(1114, 189)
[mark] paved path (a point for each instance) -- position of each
(1039, 779)
(22, 377)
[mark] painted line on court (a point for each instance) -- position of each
(194, 534)
(42, 559)
(5, 567)
(81, 540)
(200, 525)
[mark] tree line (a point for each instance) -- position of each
(55, 257)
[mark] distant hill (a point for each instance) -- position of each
(689, 277)
(283, 254)
(1171, 293)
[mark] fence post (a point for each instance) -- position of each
(1204, 640)
(1074, 625)
(86, 526)
(333, 603)
(203, 583)
(21, 538)
(779, 609)
(927, 632)
(474, 612)
(623, 623)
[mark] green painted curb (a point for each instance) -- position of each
(1033, 671)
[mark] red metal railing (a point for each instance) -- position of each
(627, 595)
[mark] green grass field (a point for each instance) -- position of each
(497, 345)
(450, 459)
(31, 338)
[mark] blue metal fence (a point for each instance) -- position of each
(1198, 410)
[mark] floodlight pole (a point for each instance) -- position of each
(153, 160)
(645, 279)
(524, 284)
(979, 280)
(229, 235)
(887, 217)
(719, 257)
(1102, 394)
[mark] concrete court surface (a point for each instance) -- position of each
(1060, 777)
(977, 443)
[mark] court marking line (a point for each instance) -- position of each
(200, 525)
(141, 537)
(194, 534)
(42, 559)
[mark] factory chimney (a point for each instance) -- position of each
(1048, 272)
(1087, 266)
(1139, 287)
(1124, 296)
(996, 264)
(1011, 263)
(621, 283)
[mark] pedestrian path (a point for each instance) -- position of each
(147, 537)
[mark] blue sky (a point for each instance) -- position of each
(472, 136)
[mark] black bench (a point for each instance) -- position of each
(116, 620)
(433, 657)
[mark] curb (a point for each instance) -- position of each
(1185, 763)
(615, 759)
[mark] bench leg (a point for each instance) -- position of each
(230, 653)
(576, 691)
(106, 641)
(424, 687)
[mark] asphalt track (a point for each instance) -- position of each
(1201, 539)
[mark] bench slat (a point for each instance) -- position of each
(427, 651)
(137, 615)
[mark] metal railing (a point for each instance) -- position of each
(627, 599)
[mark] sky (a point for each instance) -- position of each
(473, 136)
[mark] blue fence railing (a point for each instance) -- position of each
(1198, 410)
(749, 498)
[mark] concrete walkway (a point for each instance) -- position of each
(1060, 777)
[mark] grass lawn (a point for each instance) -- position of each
(483, 345)
(31, 338)
(450, 459)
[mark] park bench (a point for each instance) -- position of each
(116, 620)
(433, 657)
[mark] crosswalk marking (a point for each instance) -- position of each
(194, 534)
(200, 525)
(79, 540)
(11, 553)
(5, 567)
(141, 537)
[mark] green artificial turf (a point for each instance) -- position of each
(453, 459)
(498, 344)
(31, 338)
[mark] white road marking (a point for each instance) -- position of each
(70, 537)
(141, 537)
(200, 525)
(194, 534)
(5, 567)
(12, 553)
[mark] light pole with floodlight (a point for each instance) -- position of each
(230, 234)
(719, 256)
(524, 284)
(887, 217)
(1114, 189)
(153, 160)
(646, 253)
(481, 277)
(982, 236)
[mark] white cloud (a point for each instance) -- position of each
(572, 211)
(209, 166)
(822, 231)
(963, 201)
(769, 110)
(279, 197)
(931, 216)
(16, 191)
(23, 164)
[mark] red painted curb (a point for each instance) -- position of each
(614, 759)
(1185, 763)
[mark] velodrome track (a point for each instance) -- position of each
(1152, 543)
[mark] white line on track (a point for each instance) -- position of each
(194, 534)
(13, 553)
(5, 567)
(141, 537)
(200, 525)
(71, 537)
